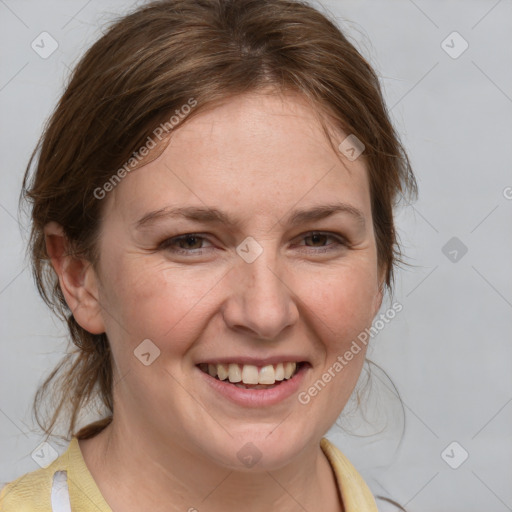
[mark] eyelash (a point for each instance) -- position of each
(168, 243)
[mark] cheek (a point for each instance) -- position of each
(341, 308)
(342, 299)
(150, 299)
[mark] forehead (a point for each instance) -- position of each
(256, 152)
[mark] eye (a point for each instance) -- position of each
(321, 240)
(192, 244)
(188, 244)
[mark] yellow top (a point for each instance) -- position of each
(38, 490)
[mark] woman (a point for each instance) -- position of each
(212, 213)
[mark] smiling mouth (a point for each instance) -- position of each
(248, 376)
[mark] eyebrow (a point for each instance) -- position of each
(215, 216)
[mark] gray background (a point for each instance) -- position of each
(448, 351)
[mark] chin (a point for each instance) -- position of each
(259, 448)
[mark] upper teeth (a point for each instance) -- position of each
(250, 374)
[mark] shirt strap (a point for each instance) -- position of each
(60, 492)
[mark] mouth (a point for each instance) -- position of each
(249, 376)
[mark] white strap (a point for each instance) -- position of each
(60, 492)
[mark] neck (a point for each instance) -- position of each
(135, 472)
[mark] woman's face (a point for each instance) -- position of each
(281, 267)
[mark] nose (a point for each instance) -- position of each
(260, 302)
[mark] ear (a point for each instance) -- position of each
(77, 278)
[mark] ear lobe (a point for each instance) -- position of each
(77, 279)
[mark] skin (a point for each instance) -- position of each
(257, 158)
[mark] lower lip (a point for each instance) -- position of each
(257, 397)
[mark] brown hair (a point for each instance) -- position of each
(146, 67)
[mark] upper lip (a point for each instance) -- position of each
(256, 361)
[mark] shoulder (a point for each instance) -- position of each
(355, 493)
(28, 493)
(31, 492)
